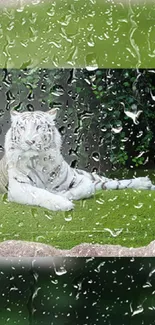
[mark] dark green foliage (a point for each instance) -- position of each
(97, 133)
(114, 93)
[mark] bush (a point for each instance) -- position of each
(117, 93)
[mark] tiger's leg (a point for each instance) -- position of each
(83, 188)
(22, 192)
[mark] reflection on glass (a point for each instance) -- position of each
(105, 118)
(78, 291)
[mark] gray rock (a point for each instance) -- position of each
(18, 248)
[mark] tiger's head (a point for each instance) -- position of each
(34, 130)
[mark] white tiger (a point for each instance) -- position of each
(37, 172)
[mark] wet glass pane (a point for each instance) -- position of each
(77, 291)
(65, 33)
(106, 121)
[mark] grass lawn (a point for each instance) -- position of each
(125, 217)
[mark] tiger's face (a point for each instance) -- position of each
(33, 130)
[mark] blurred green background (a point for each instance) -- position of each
(79, 33)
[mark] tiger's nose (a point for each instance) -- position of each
(30, 142)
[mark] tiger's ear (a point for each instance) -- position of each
(53, 113)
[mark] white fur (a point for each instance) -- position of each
(38, 174)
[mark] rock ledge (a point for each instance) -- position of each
(18, 248)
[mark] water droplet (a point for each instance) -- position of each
(133, 115)
(51, 12)
(60, 271)
(92, 68)
(68, 218)
(40, 238)
(139, 310)
(56, 44)
(21, 224)
(147, 285)
(99, 267)
(73, 54)
(115, 232)
(65, 20)
(134, 217)
(138, 206)
(90, 41)
(1, 113)
(48, 216)
(113, 199)
(152, 272)
(5, 198)
(57, 90)
(44, 170)
(34, 212)
(117, 129)
(100, 201)
(96, 156)
(14, 288)
(91, 63)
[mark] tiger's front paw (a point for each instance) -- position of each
(65, 205)
(60, 204)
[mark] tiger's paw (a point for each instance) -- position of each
(62, 205)
(66, 205)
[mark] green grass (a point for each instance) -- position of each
(125, 217)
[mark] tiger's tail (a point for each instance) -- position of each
(141, 183)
